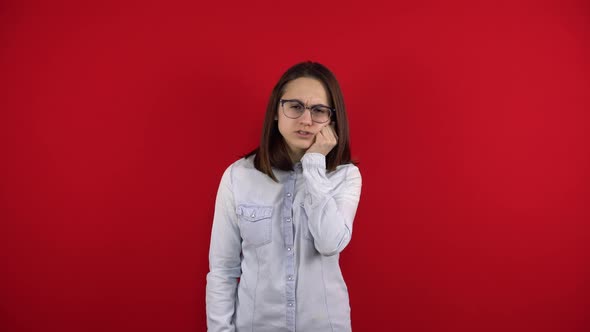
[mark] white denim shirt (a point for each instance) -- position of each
(282, 240)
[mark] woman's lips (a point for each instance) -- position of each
(304, 134)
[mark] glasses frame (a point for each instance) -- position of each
(283, 101)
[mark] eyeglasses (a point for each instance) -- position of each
(293, 109)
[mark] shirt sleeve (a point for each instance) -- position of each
(224, 260)
(330, 209)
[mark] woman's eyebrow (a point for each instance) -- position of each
(302, 103)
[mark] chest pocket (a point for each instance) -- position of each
(255, 224)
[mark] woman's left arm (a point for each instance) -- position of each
(330, 208)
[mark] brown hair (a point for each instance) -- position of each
(273, 151)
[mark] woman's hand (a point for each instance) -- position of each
(325, 140)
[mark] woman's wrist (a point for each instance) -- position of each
(313, 159)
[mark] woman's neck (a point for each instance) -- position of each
(296, 155)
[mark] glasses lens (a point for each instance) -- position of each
(293, 109)
(320, 114)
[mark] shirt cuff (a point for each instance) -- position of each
(313, 159)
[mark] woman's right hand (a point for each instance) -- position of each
(325, 140)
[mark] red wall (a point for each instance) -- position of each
(470, 121)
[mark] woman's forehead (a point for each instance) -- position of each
(306, 89)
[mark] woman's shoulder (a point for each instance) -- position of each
(348, 167)
(244, 163)
(242, 173)
(243, 166)
(347, 172)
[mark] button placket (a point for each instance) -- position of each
(288, 236)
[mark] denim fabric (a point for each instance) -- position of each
(282, 240)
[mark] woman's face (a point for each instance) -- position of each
(299, 134)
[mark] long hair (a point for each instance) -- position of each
(273, 151)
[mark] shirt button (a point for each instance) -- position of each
(289, 248)
(253, 215)
(290, 304)
(290, 278)
(288, 219)
(288, 194)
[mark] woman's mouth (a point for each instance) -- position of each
(304, 134)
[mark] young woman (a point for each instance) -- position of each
(283, 214)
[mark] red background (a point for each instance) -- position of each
(470, 121)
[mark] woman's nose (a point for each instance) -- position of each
(306, 117)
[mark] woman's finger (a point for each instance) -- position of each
(331, 130)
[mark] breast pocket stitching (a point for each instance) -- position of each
(255, 224)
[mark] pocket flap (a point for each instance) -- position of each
(254, 213)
